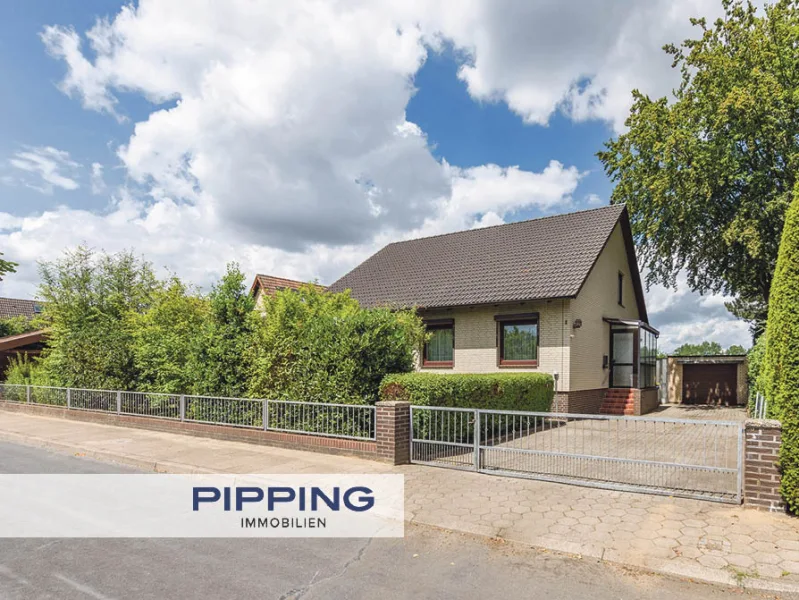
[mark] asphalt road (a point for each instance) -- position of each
(427, 563)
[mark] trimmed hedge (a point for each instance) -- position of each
(498, 391)
(780, 371)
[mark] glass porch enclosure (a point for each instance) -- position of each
(633, 354)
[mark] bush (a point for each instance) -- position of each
(755, 358)
(316, 346)
(780, 373)
(497, 391)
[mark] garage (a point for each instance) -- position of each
(707, 380)
(709, 384)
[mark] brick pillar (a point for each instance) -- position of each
(393, 434)
(761, 476)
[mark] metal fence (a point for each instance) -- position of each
(760, 408)
(691, 458)
(351, 421)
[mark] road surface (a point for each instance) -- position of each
(427, 563)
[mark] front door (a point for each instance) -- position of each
(622, 354)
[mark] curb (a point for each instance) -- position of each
(593, 551)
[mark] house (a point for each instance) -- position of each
(559, 295)
(29, 343)
(268, 285)
(714, 380)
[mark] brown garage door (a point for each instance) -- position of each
(710, 384)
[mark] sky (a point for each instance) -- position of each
(299, 138)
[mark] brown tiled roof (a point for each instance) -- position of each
(528, 260)
(270, 284)
(15, 307)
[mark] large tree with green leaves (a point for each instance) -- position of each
(707, 177)
(6, 266)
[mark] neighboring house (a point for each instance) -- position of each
(716, 380)
(559, 295)
(30, 343)
(267, 285)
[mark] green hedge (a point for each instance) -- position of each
(498, 391)
(780, 370)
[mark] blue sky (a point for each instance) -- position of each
(298, 141)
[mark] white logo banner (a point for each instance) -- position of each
(160, 505)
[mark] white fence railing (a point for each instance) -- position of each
(351, 421)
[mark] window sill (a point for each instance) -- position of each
(438, 365)
(504, 364)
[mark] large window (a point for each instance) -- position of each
(439, 346)
(648, 354)
(518, 341)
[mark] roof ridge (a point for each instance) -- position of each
(544, 218)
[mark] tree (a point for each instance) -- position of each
(707, 178)
(6, 266)
(780, 370)
(168, 337)
(88, 303)
(217, 368)
(735, 350)
(704, 349)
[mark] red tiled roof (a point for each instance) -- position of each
(270, 284)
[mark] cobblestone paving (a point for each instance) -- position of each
(686, 537)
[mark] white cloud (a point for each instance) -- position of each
(594, 200)
(285, 145)
(684, 317)
(49, 167)
(98, 184)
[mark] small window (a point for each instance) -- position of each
(621, 289)
(438, 349)
(518, 343)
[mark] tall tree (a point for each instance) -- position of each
(88, 302)
(707, 177)
(780, 370)
(6, 266)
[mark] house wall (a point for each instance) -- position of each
(597, 299)
(476, 337)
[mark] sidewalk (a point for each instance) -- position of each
(687, 538)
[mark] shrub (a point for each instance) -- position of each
(755, 358)
(781, 363)
(24, 370)
(498, 391)
(316, 346)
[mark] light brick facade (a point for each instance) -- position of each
(576, 355)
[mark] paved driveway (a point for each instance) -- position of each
(696, 457)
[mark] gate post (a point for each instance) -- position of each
(761, 477)
(393, 431)
(476, 439)
(119, 402)
(182, 407)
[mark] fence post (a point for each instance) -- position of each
(182, 407)
(69, 398)
(476, 440)
(265, 414)
(28, 393)
(119, 403)
(761, 472)
(392, 431)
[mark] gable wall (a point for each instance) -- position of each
(598, 299)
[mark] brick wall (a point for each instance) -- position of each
(761, 475)
(476, 340)
(586, 402)
(646, 401)
(392, 442)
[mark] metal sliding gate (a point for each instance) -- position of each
(676, 457)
